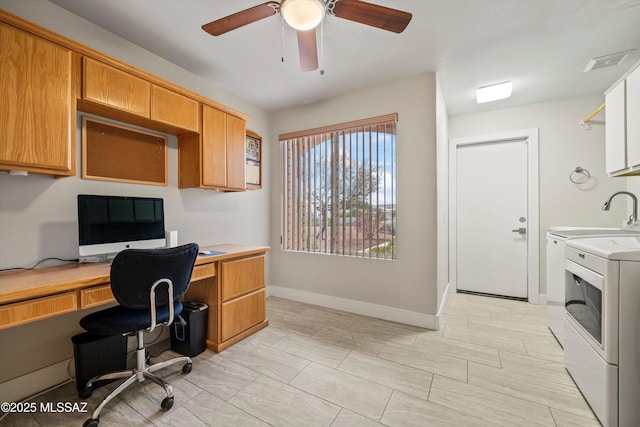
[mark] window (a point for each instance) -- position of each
(339, 189)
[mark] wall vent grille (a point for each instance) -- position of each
(607, 60)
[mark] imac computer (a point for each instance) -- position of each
(110, 224)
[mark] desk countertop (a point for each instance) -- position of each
(25, 284)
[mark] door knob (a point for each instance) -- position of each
(520, 230)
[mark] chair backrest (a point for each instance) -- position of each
(134, 271)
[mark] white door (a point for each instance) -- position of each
(491, 218)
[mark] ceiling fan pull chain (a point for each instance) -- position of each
(282, 56)
(321, 47)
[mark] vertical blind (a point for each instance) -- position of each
(339, 189)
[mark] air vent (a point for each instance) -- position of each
(607, 60)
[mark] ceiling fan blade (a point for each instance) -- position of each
(242, 18)
(308, 50)
(372, 14)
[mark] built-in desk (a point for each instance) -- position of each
(232, 284)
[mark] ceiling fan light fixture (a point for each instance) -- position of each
(302, 15)
(494, 92)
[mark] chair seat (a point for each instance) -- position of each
(120, 320)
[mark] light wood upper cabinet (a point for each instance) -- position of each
(37, 112)
(214, 147)
(109, 86)
(174, 109)
(236, 154)
(215, 158)
(45, 79)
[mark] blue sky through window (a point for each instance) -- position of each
(355, 149)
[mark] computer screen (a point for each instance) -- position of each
(109, 224)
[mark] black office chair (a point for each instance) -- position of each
(147, 284)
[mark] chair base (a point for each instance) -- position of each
(141, 372)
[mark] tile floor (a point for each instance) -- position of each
(493, 363)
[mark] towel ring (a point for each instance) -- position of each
(579, 175)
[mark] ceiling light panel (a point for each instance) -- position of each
(494, 92)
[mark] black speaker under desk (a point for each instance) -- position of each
(96, 355)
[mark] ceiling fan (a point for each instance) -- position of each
(305, 15)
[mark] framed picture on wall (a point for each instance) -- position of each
(253, 148)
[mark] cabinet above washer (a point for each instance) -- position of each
(622, 125)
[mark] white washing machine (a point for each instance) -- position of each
(556, 242)
(602, 318)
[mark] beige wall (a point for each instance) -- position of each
(38, 213)
(563, 146)
(408, 284)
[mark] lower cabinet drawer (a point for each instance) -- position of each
(241, 276)
(240, 314)
(96, 296)
(203, 271)
(36, 309)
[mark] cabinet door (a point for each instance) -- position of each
(240, 314)
(214, 147)
(555, 269)
(633, 118)
(241, 276)
(236, 155)
(174, 109)
(37, 112)
(615, 133)
(109, 86)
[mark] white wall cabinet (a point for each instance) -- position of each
(622, 127)
(633, 117)
(615, 129)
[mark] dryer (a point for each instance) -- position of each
(556, 242)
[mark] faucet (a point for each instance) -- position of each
(634, 216)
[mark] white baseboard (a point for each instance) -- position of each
(393, 314)
(34, 382)
(443, 305)
(542, 299)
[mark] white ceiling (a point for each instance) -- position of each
(541, 45)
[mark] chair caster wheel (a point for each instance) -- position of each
(86, 393)
(91, 422)
(167, 403)
(187, 368)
